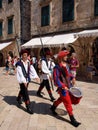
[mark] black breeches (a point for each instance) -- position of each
(24, 92)
(45, 83)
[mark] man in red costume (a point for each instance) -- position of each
(60, 76)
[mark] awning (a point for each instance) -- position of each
(36, 42)
(51, 41)
(3, 45)
(87, 33)
(58, 40)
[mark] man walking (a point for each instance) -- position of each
(45, 74)
(61, 75)
(25, 71)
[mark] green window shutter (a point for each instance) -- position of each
(68, 10)
(10, 26)
(0, 3)
(45, 16)
(0, 28)
(96, 8)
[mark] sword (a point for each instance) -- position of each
(52, 85)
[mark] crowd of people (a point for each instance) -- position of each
(10, 64)
(58, 70)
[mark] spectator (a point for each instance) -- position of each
(74, 64)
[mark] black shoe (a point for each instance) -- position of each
(52, 98)
(74, 122)
(29, 110)
(52, 108)
(39, 95)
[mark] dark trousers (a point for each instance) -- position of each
(24, 93)
(45, 83)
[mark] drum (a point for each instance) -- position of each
(75, 95)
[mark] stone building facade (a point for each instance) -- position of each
(27, 24)
(84, 19)
(83, 16)
(14, 24)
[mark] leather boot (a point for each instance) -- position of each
(74, 122)
(29, 110)
(53, 109)
(39, 94)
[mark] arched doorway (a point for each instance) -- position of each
(1, 59)
(95, 53)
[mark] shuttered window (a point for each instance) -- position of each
(0, 28)
(68, 10)
(96, 8)
(45, 15)
(0, 3)
(10, 25)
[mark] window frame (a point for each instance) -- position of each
(45, 18)
(1, 26)
(0, 4)
(10, 1)
(64, 10)
(10, 25)
(96, 8)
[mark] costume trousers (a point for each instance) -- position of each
(66, 101)
(24, 93)
(45, 83)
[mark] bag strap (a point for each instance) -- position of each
(62, 71)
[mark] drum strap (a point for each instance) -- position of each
(64, 77)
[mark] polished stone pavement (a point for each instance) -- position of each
(14, 118)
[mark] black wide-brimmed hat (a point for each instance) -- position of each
(24, 51)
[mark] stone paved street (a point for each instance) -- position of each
(14, 118)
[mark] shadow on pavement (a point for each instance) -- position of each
(34, 93)
(38, 108)
(44, 108)
(11, 100)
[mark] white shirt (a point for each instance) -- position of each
(20, 76)
(45, 70)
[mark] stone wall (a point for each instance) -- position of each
(84, 16)
(25, 12)
(9, 10)
(20, 10)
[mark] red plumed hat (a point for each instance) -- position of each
(62, 54)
